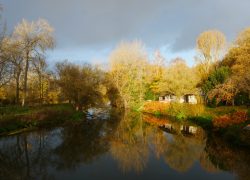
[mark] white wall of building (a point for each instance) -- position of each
(171, 98)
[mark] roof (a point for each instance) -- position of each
(169, 93)
(164, 93)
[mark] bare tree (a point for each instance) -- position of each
(34, 37)
(210, 46)
(40, 66)
(13, 54)
(128, 71)
(5, 67)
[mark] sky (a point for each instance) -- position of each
(88, 30)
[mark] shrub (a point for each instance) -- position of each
(239, 117)
(157, 114)
(231, 119)
(222, 121)
(203, 121)
(195, 109)
(155, 107)
(158, 121)
(181, 116)
(178, 110)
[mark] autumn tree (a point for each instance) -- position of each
(80, 84)
(224, 92)
(239, 56)
(237, 59)
(179, 79)
(5, 67)
(39, 67)
(112, 93)
(219, 76)
(210, 46)
(128, 65)
(13, 54)
(34, 37)
(155, 75)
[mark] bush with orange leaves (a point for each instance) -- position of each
(231, 119)
(155, 107)
(155, 120)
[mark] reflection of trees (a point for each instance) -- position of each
(206, 163)
(158, 140)
(25, 156)
(133, 140)
(228, 158)
(129, 146)
(135, 137)
(84, 142)
(30, 155)
(182, 152)
(155, 135)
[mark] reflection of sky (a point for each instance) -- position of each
(170, 137)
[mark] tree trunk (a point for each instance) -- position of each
(17, 86)
(25, 78)
(40, 89)
(27, 156)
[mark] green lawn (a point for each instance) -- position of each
(15, 118)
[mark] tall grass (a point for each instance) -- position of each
(13, 118)
(181, 111)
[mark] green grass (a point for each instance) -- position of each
(18, 110)
(181, 116)
(157, 114)
(15, 118)
(13, 110)
(204, 121)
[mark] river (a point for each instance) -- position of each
(121, 146)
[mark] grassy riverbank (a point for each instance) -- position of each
(194, 112)
(227, 122)
(15, 118)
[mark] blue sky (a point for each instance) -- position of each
(81, 55)
(88, 30)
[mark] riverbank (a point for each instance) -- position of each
(228, 122)
(14, 119)
(199, 113)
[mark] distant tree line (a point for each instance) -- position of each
(220, 75)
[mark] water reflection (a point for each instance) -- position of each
(129, 145)
(130, 141)
(26, 156)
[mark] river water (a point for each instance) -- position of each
(121, 146)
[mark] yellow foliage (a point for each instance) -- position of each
(2, 93)
(53, 97)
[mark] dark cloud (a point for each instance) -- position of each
(156, 22)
